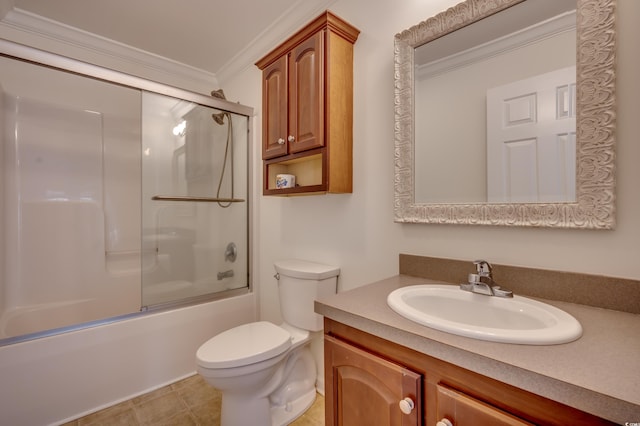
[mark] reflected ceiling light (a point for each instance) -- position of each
(180, 128)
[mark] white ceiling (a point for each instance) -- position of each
(205, 34)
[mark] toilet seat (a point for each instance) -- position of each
(244, 345)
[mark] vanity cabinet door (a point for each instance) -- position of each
(363, 389)
(448, 391)
(463, 410)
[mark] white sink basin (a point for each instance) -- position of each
(507, 320)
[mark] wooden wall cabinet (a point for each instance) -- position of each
(307, 109)
(366, 377)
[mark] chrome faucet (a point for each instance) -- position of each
(482, 281)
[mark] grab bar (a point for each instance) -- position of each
(202, 199)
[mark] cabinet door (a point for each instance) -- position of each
(306, 94)
(274, 108)
(462, 410)
(363, 389)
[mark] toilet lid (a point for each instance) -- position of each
(244, 345)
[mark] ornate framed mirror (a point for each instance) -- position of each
(590, 203)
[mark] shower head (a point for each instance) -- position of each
(218, 94)
(219, 118)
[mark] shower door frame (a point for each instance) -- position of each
(25, 53)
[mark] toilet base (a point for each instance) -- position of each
(285, 414)
(239, 410)
(278, 400)
(243, 411)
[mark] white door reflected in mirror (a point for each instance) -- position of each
(531, 139)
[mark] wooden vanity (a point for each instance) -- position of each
(373, 374)
(374, 358)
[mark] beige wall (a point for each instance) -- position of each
(357, 232)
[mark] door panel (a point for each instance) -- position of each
(306, 87)
(274, 106)
(531, 128)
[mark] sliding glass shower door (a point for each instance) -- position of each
(194, 202)
(116, 195)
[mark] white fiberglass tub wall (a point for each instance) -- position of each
(70, 225)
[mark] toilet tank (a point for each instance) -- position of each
(300, 283)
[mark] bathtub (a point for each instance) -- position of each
(55, 379)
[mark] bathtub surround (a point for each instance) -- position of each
(76, 179)
(74, 219)
(106, 199)
(79, 372)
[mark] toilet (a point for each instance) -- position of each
(266, 372)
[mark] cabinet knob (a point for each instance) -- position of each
(280, 141)
(406, 406)
(444, 422)
(291, 139)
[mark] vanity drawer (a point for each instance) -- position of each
(461, 409)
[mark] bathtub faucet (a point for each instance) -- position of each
(225, 274)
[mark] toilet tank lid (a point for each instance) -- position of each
(305, 269)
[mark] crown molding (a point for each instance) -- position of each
(535, 33)
(282, 28)
(5, 7)
(64, 38)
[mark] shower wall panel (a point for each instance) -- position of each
(70, 206)
(59, 196)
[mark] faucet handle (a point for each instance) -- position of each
(483, 267)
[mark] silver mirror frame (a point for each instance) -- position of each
(596, 123)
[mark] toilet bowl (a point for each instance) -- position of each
(266, 372)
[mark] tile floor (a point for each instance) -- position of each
(188, 402)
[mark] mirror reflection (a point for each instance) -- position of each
(560, 174)
(495, 116)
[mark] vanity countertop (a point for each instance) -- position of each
(598, 373)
